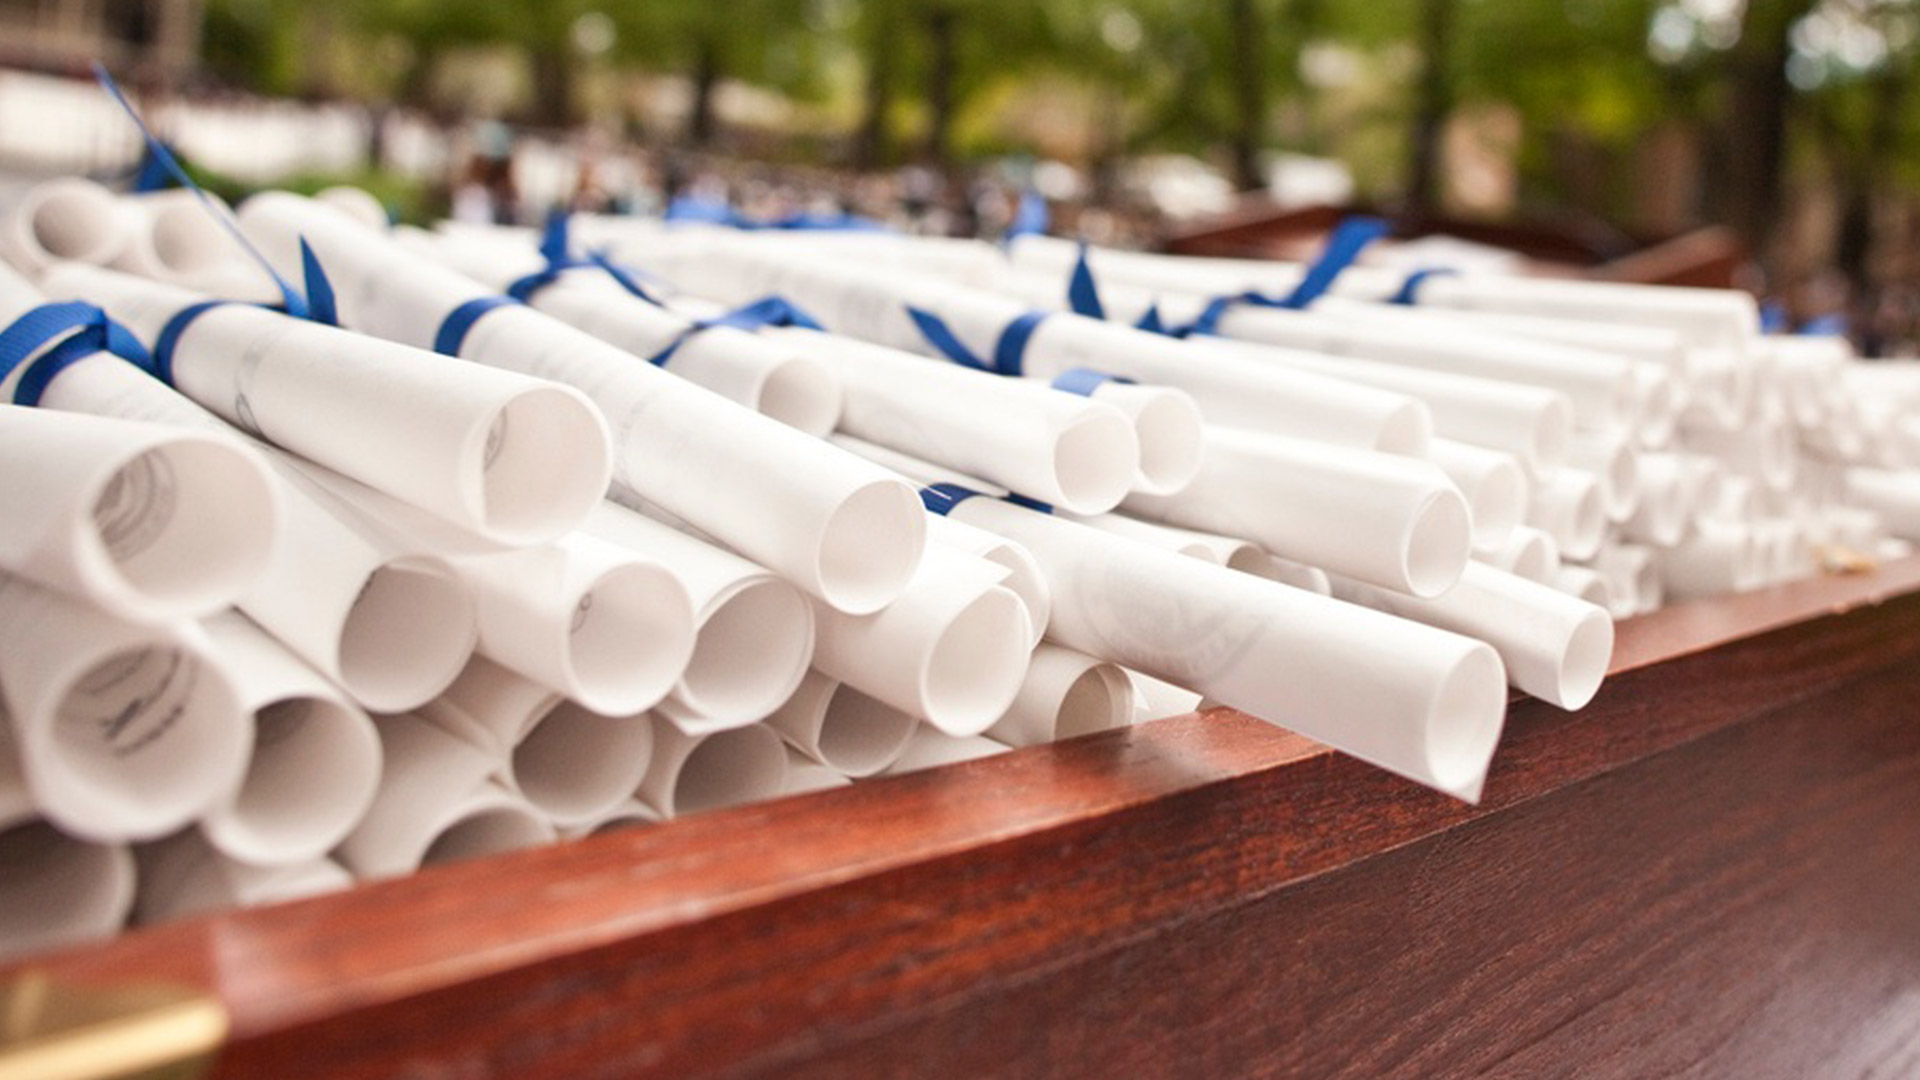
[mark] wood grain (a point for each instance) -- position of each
(1057, 907)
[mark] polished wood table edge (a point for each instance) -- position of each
(280, 967)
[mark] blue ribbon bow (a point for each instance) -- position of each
(766, 311)
(1009, 349)
(91, 332)
(942, 498)
(554, 247)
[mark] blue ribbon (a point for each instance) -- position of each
(320, 309)
(685, 209)
(942, 498)
(554, 245)
(1409, 291)
(169, 337)
(1009, 349)
(453, 330)
(1084, 381)
(1030, 218)
(92, 332)
(766, 311)
(152, 175)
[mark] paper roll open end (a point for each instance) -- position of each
(749, 655)
(58, 890)
(1026, 581)
(1172, 437)
(727, 768)
(1094, 462)
(860, 736)
(801, 393)
(187, 242)
(546, 464)
(1100, 699)
(1439, 542)
(576, 765)
(633, 637)
(871, 547)
(407, 636)
(184, 528)
(73, 219)
(315, 767)
(489, 827)
(144, 741)
(974, 670)
(1463, 725)
(1499, 503)
(1583, 664)
(1407, 429)
(1586, 524)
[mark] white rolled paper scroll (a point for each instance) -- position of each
(1611, 456)
(147, 521)
(1528, 552)
(357, 203)
(57, 889)
(1228, 551)
(1556, 647)
(754, 631)
(1570, 507)
(185, 875)
(577, 766)
(1421, 702)
(1633, 577)
(1023, 579)
(952, 649)
(1169, 427)
(692, 773)
(1157, 699)
(1666, 502)
(840, 528)
(513, 459)
(125, 731)
(1492, 482)
(1063, 449)
(316, 756)
(63, 219)
(1894, 496)
(931, 748)
(1066, 693)
(1720, 557)
(841, 728)
(1588, 584)
(171, 237)
(1383, 518)
(629, 814)
(805, 774)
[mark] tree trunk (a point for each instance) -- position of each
(1249, 93)
(870, 143)
(1755, 126)
(943, 25)
(552, 65)
(1853, 246)
(1430, 111)
(702, 123)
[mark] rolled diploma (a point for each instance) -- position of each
(1587, 584)
(841, 529)
(630, 813)
(1570, 507)
(171, 237)
(391, 625)
(1060, 448)
(433, 782)
(316, 756)
(1528, 552)
(124, 731)
(872, 305)
(1556, 647)
(952, 649)
(1023, 579)
(1420, 702)
(1612, 457)
(1383, 518)
(691, 773)
(1634, 574)
(1169, 427)
(841, 728)
(185, 875)
(1228, 551)
(1666, 502)
(1720, 557)
(1894, 496)
(514, 459)
(1493, 483)
(931, 748)
(805, 774)
(147, 521)
(754, 631)
(1066, 693)
(57, 889)
(64, 218)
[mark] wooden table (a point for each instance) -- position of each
(1714, 870)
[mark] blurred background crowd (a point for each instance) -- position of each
(1775, 143)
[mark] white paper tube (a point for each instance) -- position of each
(1169, 427)
(433, 782)
(1719, 557)
(1571, 508)
(1665, 509)
(1299, 575)
(1587, 584)
(490, 821)
(57, 890)
(1555, 647)
(1065, 694)
(1493, 483)
(1649, 344)
(1023, 579)
(1228, 551)
(1063, 449)
(839, 528)
(1424, 703)
(754, 632)
(575, 765)
(1893, 496)
(931, 748)
(692, 773)
(146, 521)
(1383, 518)
(841, 728)
(170, 236)
(872, 305)
(64, 218)
(601, 623)
(630, 814)
(1765, 449)
(1737, 499)
(513, 459)
(1528, 552)
(184, 875)
(1156, 699)
(357, 203)
(316, 757)
(1633, 574)
(805, 774)
(952, 649)
(1611, 456)
(124, 731)
(390, 624)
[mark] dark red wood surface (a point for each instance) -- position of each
(1711, 870)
